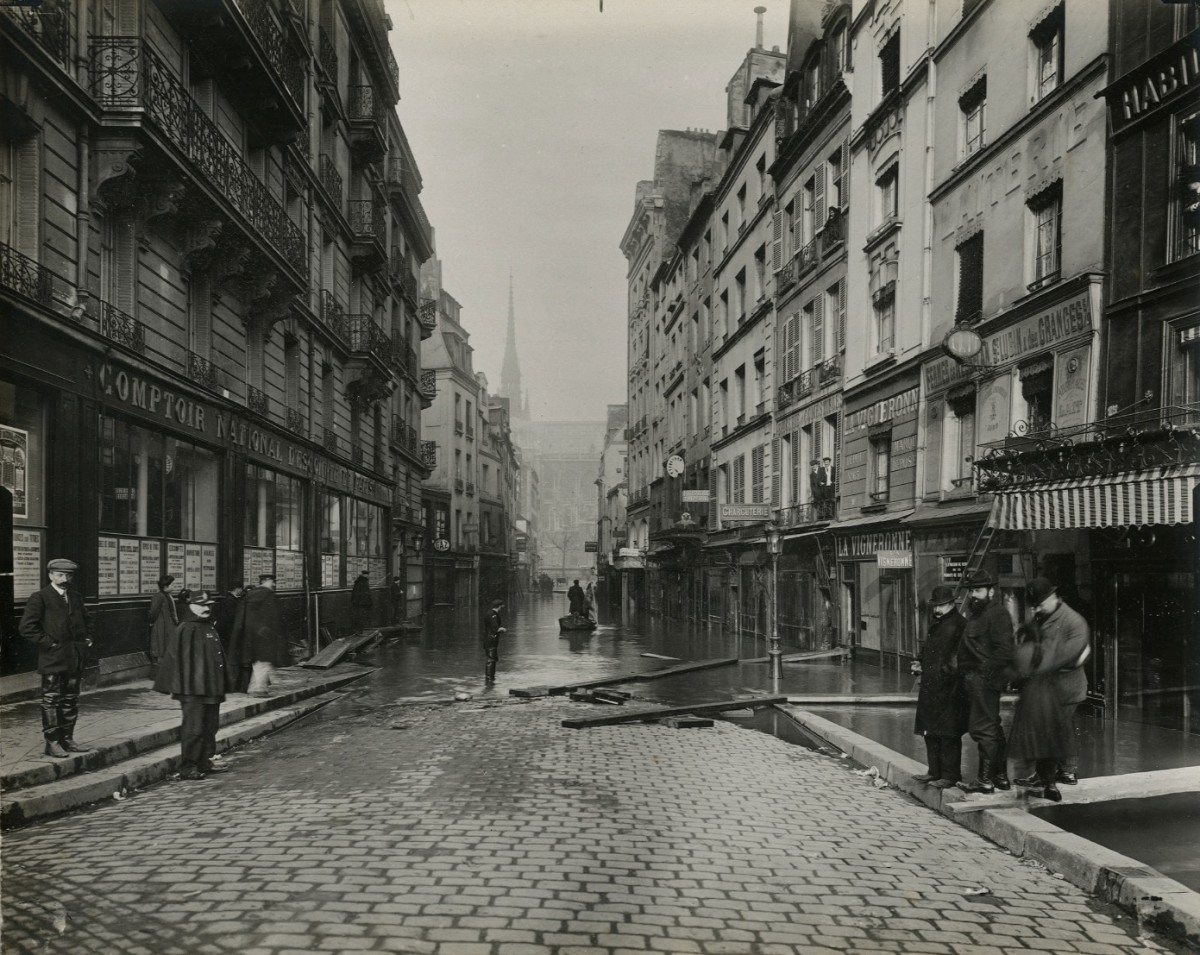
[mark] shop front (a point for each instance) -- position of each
(135, 476)
(875, 568)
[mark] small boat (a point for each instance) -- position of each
(575, 622)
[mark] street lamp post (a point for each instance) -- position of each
(774, 654)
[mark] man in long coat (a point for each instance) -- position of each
(941, 709)
(57, 621)
(576, 599)
(985, 658)
(193, 671)
(163, 617)
(259, 639)
(361, 602)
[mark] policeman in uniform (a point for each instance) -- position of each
(57, 621)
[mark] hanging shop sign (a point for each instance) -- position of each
(693, 496)
(745, 512)
(894, 559)
(441, 545)
(866, 545)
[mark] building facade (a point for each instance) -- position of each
(611, 501)
(213, 272)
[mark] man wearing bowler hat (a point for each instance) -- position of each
(985, 658)
(1059, 622)
(941, 710)
(58, 622)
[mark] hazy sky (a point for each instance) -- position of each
(532, 122)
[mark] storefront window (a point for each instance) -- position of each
(158, 500)
(333, 546)
(272, 527)
(22, 473)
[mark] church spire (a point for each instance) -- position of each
(510, 372)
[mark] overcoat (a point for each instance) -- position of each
(360, 593)
(60, 628)
(987, 645)
(164, 618)
(493, 623)
(1069, 627)
(193, 662)
(258, 635)
(941, 705)
(1041, 728)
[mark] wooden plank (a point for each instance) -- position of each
(686, 722)
(339, 648)
(804, 657)
(648, 675)
(639, 716)
(657, 656)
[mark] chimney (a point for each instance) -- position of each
(758, 30)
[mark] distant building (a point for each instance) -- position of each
(611, 502)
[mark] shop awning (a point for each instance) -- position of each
(948, 513)
(1130, 499)
(868, 519)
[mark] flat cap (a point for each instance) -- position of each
(61, 563)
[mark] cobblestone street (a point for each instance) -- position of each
(488, 829)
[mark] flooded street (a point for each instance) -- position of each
(446, 657)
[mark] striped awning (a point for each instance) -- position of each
(1132, 499)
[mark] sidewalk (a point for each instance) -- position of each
(133, 733)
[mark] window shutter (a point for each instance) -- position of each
(28, 185)
(712, 497)
(841, 317)
(739, 479)
(819, 199)
(777, 242)
(933, 448)
(818, 330)
(757, 466)
(775, 471)
(793, 356)
(844, 176)
(126, 256)
(794, 464)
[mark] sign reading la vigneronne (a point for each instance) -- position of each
(745, 512)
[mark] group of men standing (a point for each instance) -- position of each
(965, 665)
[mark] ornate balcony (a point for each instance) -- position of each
(47, 24)
(429, 454)
(368, 124)
(257, 401)
(834, 233)
(427, 314)
(129, 77)
(812, 513)
(785, 278)
(331, 180)
(295, 421)
(327, 438)
(369, 230)
(119, 327)
(459, 485)
(279, 53)
(20, 274)
(327, 61)
(356, 454)
(829, 372)
(807, 258)
(428, 386)
(369, 20)
(202, 371)
(334, 318)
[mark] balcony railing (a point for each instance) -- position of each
(428, 386)
(470, 433)
(20, 274)
(334, 318)
(257, 401)
(327, 58)
(327, 438)
(834, 232)
(366, 219)
(357, 454)
(811, 513)
(119, 327)
(295, 421)
(202, 371)
(128, 75)
(364, 105)
(458, 427)
(470, 489)
(48, 24)
(807, 258)
(427, 314)
(278, 52)
(829, 371)
(365, 337)
(429, 453)
(459, 485)
(331, 179)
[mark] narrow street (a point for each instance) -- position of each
(485, 828)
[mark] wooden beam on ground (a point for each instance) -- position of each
(864, 699)
(804, 657)
(331, 654)
(627, 678)
(642, 716)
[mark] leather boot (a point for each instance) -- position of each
(933, 754)
(55, 749)
(983, 784)
(489, 675)
(72, 747)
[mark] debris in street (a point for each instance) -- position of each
(530, 692)
(979, 891)
(340, 648)
(739, 714)
(627, 678)
(659, 656)
(462, 697)
(594, 696)
(686, 722)
(642, 716)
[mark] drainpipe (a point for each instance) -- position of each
(83, 215)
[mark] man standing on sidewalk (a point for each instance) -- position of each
(193, 671)
(985, 658)
(941, 713)
(493, 629)
(58, 622)
(264, 645)
(361, 602)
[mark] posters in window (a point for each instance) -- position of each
(329, 570)
(129, 565)
(27, 562)
(151, 562)
(14, 467)
(175, 564)
(191, 566)
(208, 566)
(257, 561)
(289, 568)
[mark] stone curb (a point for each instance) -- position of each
(1166, 906)
(160, 733)
(64, 795)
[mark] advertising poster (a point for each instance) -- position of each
(175, 564)
(289, 570)
(14, 471)
(151, 561)
(1071, 387)
(208, 566)
(129, 565)
(191, 566)
(329, 570)
(995, 398)
(27, 562)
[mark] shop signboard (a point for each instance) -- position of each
(106, 566)
(27, 561)
(866, 545)
(734, 513)
(589, 547)
(151, 564)
(953, 568)
(693, 496)
(894, 559)
(1071, 376)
